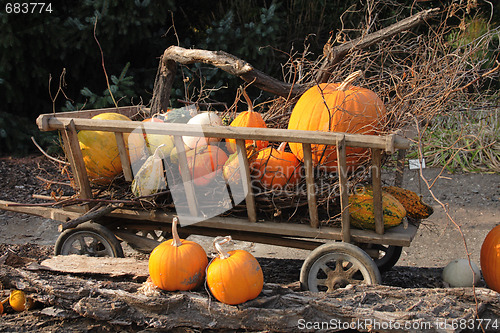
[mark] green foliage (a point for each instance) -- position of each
(121, 91)
(464, 140)
(476, 33)
(15, 134)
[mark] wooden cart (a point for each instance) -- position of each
(340, 255)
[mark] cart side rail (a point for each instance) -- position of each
(378, 144)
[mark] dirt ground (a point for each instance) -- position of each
(473, 201)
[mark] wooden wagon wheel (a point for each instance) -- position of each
(384, 256)
(336, 265)
(91, 239)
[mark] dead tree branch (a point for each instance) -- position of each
(245, 71)
(333, 55)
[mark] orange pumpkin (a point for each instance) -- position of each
(276, 168)
(248, 118)
(334, 107)
(177, 264)
(235, 276)
(19, 301)
(205, 163)
(490, 258)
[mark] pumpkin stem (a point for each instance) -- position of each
(176, 241)
(249, 101)
(349, 80)
(155, 154)
(218, 241)
(282, 146)
(5, 301)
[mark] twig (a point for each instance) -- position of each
(447, 212)
(102, 62)
(52, 182)
(47, 155)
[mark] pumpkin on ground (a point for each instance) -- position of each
(248, 118)
(413, 204)
(490, 259)
(461, 273)
(337, 107)
(19, 302)
(100, 151)
(205, 164)
(276, 169)
(234, 277)
(177, 264)
(362, 212)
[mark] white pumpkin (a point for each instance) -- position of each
(458, 273)
(204, 118)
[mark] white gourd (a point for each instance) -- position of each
(150, 178)
(458, 273)
(205, 118)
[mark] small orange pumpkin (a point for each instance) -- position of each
(337, 107)
(235, 276)
(177, 264)
(490, 258)
(276, 168)
(205, 163)
(248, 118)
(18, 301)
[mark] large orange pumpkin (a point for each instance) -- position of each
(337, 107)
(235, 276)
(177, 264)
(100, 151)
(205, 163)
(276, 168)
(490, 258)
(248, 118)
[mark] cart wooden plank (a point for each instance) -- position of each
(246, 180)
(394, 236)
(311, 186)
(51, 122)
(75, 155)
(377, 190)
(344, 201)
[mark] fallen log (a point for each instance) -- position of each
(277, 309)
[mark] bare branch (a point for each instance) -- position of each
(334, 55)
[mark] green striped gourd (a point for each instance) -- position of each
(362, 212)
